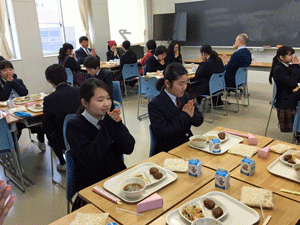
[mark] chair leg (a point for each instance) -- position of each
(52, 171)
(268, 121)
(125, 90)
(123, 114)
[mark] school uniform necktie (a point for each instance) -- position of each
(178, 103)
(87, 51)
(101, 122)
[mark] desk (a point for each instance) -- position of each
(171, 194)
(103, 66)
(190, 76)
(225, 161)
(285, 211)
(89, 208)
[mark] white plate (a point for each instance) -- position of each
(33, 109)
(149, 178)
(197, 204)
(2, 104)
(286, 162)
(238, 213)
(112, 185)
(208, 212)
(215, 133)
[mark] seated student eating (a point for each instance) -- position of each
(172, 112)
(112, 52)
(150, 49)
(157, 61)
(174, 54)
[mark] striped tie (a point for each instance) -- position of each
(178, 103)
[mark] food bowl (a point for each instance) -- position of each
(199, 141)
(296, 167)
(38, 106)
(192, 210)
(207, 221)
(133, 191)
(18, 99)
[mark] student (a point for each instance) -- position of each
(97, 136)
(240, 58)
(210, 63)
(157, 61)
(67, 59)
(5, 205)
(128, 57)
(84, 51)
(172, 112)
(112, 53)
(286, 78)
(63, 101)
(173, 53)
(151, 46)
(1, 58)
(92, 65)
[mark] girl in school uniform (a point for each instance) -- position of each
(112, 53)
(173, 53)
(151, 46)
(157, 61)
(172, 112)
(286, 74)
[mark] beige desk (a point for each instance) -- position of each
(103, 66)
(171, 194)
(285, 211)
(225, 161)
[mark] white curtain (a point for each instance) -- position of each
(4, 47)
(84, 9)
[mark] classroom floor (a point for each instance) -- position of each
(45, 202)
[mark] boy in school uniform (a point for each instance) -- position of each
(63, 101)
(92, 65)
(84, 51)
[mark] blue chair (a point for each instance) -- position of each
(117, 97)
(147, 90)
(296, 125)
(8, 156)
(153, 141)
(71, 189)
(216, 88)
(273, 106)
(240, 82)
(130, 72)
(70, 76)
(144, 70)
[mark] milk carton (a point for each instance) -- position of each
(222, 179)
(195, 167)
(248, 166)
(215, 145)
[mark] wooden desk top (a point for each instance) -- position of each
(89, 208)
(263, 178)
(225, 161)
(11, 119)
(103, 66)
(285, 211)
(171, 194)
(158, 76)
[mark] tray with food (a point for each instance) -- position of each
(281, 169)
(216, 205)
(3, 104)
(202, 141)
(150, 178)
(38, 107)
(22, 100)
(290, 158)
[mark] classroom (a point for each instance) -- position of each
(178, 146)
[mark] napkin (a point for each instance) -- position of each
(23, 115)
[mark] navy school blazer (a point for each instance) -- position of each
(81, 55)
(105, 76)
(17, 84)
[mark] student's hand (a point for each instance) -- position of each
(162, 62)
(189, 108)
(93, 52)
(295, 60)
(73, 55)
(10, 77)
(4, 193)
(115, 115)
(225, 58)
(115, 52)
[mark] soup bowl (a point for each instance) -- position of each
(133, 187)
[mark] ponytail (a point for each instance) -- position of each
(108, 47)
(214, 55)
(62, 51)
(61, 54)
(274, 63)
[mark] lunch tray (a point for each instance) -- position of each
(33, 109)
(225, 146)
(280, 169)
(238, 213)
(113, 185)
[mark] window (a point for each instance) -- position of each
(128, 15)
(10, 30)
(59, 22)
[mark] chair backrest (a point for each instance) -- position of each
(274, 92)
(217, 83)
(130, 70)
(6, 140)
(117, 94)
(147, 87)
(67, 118)
(241, 77)
(71, 178)
(144, 70)
(296, 124)
(69, 75)
(153, 141)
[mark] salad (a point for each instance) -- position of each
(192, 212)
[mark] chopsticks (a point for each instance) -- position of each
(139, 214)
(291, 192)
(267, 220)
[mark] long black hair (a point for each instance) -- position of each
(282, 51)
(126, 46)
(87, 91)
(208, 50)
(173, 72)
(171, 47)
(62, 51)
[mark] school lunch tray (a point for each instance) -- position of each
(113, 185)
(280, 169)
(238, 213)
(225, 146)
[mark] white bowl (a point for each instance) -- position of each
(188, 204)
(295, 167)
(132, 180)
(199, 144)
(207, 221)
(37, 107)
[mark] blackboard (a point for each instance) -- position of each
(218, 22)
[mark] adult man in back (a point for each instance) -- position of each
(84, 51)
(63, 101)
(240, 58)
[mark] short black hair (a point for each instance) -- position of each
(160, 50)
(126, 44)
(5, 64)
(91, 62)
(151, 45)
(56, 74)
(1, 58)
(83, 38)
